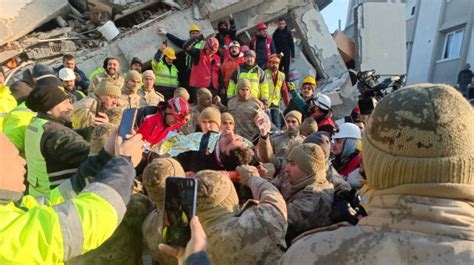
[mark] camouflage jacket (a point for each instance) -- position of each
(131, 101)
(149, 98)
(282, 142)
(256, 235)
(244, 112)
(193, 122)
(400, 229)
(309, 208)
(101, 76)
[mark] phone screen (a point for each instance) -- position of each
(127, 122)
(180, 206)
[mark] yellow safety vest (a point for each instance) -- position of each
(164, 76)
(257, 90)
(274, 92)
(7, 103)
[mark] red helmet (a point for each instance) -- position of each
(261, 26)
(212, 44)
(179, 107)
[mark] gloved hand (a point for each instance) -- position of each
(291, 86)
(161, 31)
(246, 172)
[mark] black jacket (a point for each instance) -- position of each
(284, 43)
(465, 77)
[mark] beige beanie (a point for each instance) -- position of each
(211, 113)
(308, 126)
(133, 75)
(109, 87)
(420, 134)
(243, 82)
(203, 94)
(182, 93)
(294, 114)
(311, 159)
(217, 199)
(226, 116)
(148, 73)
(155, 175)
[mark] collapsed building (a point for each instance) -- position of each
(42, 31)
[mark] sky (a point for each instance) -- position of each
(333, 12)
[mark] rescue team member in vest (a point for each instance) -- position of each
(320, 110)
(262, 45)
(346, 156)
(276, 89)
(7, 101)
(258, 80)
(232, 62)
(53, 150)
(74, 218)
(301, 102)
(206, 66)
(166, 74)
(69, 83)
(14, 125)
(194, 32)
(226, 36)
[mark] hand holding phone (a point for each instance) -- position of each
(127, 123)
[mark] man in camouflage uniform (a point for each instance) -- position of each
(244, 108)
(419, 161)
(148, 95)
(111, 73)
(204, 100)
(281, 142)
(130, 97)
(252, 235)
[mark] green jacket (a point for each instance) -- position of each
(14, 125)
(52, 229)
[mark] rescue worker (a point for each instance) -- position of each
(130, 97)
(69, 83)
(206, 66)
(148, 95)
(276, 89)
(81, 80)
(93, 108)
(418, 150)
(166, 73)
(136, 64)
(320, 110)
(310, 203)
(112, 72)
(226, 35)
(170, 117)
(7, 101)
(262, 45)
(251, 71)
(227, 122)
(231, 62)
(346, 156)
(14, 125)
(53, 150)
(244, 109)
(75, 218)
(255, 233)
(301, 102)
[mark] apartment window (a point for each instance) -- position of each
(412, 11)
(452, 44)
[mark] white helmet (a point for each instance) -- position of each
(67, 74)
(323, 102)
(348, 130)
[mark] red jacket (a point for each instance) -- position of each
(206, 70)
(351, 166)
(153, 129)
(228, 68)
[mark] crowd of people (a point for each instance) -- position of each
(279, 182)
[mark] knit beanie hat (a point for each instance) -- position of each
(212, 114)
(136, 60)
(226, 116)
(44, 98)
(182, 93)
(203, 94)
(148, 73)
(420, 134)
(323, 139)
(308, 126)
(311, 159)
(294, 114)
(243, 82)
(133, 75)
(41, 69)
(108, 87)
(155, 175)
(216, 197)
(20, 90)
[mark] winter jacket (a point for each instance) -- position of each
(225, 39)
(70, 221)
(118, 77)
(53, 153)
(166, 76)
(149, 98)
(229, 66)
(465, 77)
(263, 47)
(130, 101)
(298, 103)
(83, 83)
(257, 78)
(256, 234)
(206, 69)
(281, 142)
(244, 113)
(154, 129)
(400, 229)
(283, 40)
(15, 125)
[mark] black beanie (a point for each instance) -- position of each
(45, 97)
(41, 69)
(136, 60)
(20, 90)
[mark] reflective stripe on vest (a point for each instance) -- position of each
(274, 92)
(253, 75)
(164, 76)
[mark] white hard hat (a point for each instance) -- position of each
(67, 74)
(348, 130)
(323, 101)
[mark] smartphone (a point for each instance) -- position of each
(100, 107)
(128, 122)
(179, 208)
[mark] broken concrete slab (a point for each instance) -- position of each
(217, 9)
(345, 46)
(32, 15)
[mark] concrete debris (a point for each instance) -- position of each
(51, 49)
(346, 46)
